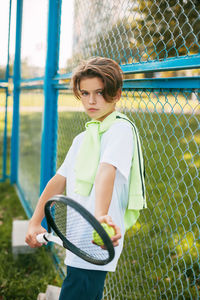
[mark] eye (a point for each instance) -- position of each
(84, 93)
(100, 93)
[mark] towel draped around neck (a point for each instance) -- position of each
(88, 160)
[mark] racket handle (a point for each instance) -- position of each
(40, 238)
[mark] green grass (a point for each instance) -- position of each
(27, 275)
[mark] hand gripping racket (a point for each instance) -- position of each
(71, 226)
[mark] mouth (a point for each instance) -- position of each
(92, 109)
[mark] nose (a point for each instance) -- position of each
(92, 99)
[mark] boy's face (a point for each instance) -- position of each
(96, 107)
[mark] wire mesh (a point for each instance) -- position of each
(3, 106)
(2, 127)
(5, 133)
(131, 31)
(161, 253)
(31, 109)
(71, 120)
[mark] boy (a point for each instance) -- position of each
(97, 173)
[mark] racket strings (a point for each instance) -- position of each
(59, 212)
(77, 230)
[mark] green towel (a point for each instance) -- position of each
(88, 160)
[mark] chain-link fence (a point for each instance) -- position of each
(162, 251)
(132, 31)
(4, 130)
(31, 109)
(157, 44)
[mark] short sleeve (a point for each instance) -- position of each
(117, 147)
(66, 165)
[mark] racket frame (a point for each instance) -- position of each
(93, 222)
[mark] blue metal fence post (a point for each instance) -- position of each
(16, 95)
(49, 130)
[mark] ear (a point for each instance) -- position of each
(118, 96)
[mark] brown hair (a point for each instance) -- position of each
(106, 69)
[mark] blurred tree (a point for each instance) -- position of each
(144, 30)
(152, 30)
(162, 29)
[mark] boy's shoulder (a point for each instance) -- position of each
(121, 126)
(78, 138)
(120, 130)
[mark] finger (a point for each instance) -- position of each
(115, 239)
(117, 231)
(32, 241)
(115, 244)
(109, 220)
(106, 219)
(34, 244)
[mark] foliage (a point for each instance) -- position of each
(164, 29)
(145, 31)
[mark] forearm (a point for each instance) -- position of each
(104, 183)
(55, 186)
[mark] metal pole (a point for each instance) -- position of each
(16, 95)
(49, 130)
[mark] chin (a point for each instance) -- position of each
(93, 116)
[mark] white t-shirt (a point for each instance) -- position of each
(117, 150)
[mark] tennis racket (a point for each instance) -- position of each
(71, 226)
